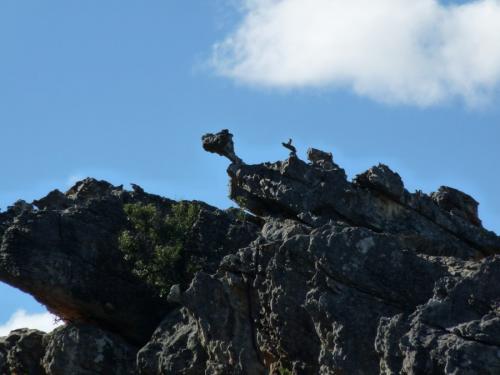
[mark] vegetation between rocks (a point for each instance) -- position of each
(284, 371)
(154, 243)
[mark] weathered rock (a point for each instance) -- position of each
(279, 300)
(454, 332)
(67, 256)
(217, 233)
(68, 260)
(381, 178)
(21, 352)
(337, 262)
(223, 313)
(294, 189)
(327, 277)
(321, 158)
(80, 349)
(77, 349)
(174, 348)
(288, 145)
(222, 144)
(54, 200)
(458, 203)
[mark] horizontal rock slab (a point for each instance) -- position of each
(375, 200)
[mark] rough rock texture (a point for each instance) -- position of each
(222, 144)
(21, 351)
(174, 348)
(76, 349)
(85, 350)
(65, 254)
(329, 277)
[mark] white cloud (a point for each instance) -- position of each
(397, 51)
(21, 319)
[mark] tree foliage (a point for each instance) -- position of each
(154, 242)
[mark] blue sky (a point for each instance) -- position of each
(123, 91)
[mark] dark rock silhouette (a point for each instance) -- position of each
(288, 145)
(221, 143)
(321, 158)
(329, 276)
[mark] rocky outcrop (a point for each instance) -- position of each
(63, 250)
(174, 348)
(82, 349)
(322, 275)
(455, 331)
(65, 254)
(21, 351)
(72, 349)
(222, 144)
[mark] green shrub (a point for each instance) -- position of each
(284, 371)
(154, 243)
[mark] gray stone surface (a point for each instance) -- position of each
(81, 349)
(175, 348)
(322, 276)
(67, 256)
(21, 352)
(458, 203)
(381, 178)
(222, 144)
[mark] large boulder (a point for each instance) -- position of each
(77, 349)
(21, 352)
(81, 349)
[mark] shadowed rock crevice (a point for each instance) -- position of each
(314, 274)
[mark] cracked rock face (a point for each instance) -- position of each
(72, 349)
(21, 351)
(65, 254)
(330, 276)
(85, 350)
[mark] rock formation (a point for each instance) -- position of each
(318, 275)
(221, 143)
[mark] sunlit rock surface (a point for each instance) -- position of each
(322, 276)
